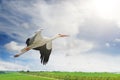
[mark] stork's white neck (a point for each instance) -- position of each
(54, 37)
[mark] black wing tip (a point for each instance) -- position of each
(44, 63)
(44, 60)
(27, 41)
(45, 54)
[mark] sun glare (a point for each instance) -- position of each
(107, 9)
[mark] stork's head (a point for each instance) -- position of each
(63, 35)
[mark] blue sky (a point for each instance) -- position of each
(93, 26)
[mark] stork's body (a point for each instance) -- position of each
(44, 45)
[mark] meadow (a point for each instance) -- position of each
(58, 76)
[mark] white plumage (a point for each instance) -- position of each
(44, 45)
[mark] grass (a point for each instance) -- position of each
(58, 76)
(78, 75)
(21, 76)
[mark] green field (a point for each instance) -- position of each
(58, 76)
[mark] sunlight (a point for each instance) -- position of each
(106, 9)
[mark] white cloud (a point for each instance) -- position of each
(64, 16)
(89, 62)
(79, 45)
(13, 46)
(25, 25)
(107, 44)
(74, 17)
(8, 66)
(117, 40)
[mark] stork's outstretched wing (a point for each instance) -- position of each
(45, 52)
(36, 37)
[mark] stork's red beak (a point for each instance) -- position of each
(62, 35)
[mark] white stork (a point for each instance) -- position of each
(43, 44)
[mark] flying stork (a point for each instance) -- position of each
(43, 44)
